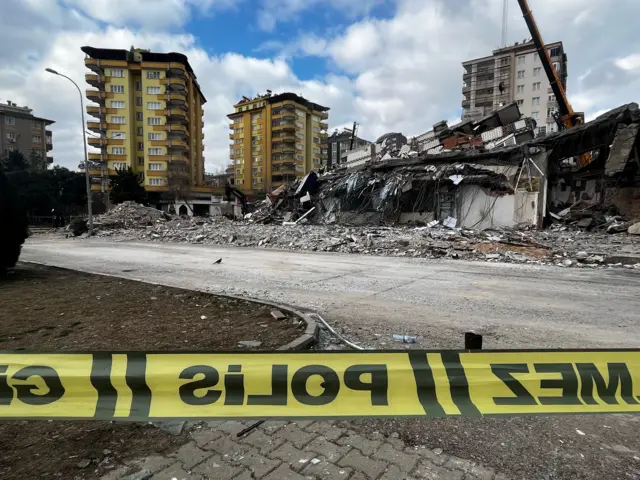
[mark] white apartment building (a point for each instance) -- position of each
(513, 73)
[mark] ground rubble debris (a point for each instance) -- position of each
(523, 244)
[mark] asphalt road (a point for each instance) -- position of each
(370, 298)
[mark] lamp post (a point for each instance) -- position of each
(84, 143)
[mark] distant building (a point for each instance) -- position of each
(513, 73)
(337, 145)
(22, 131)
(276, 139)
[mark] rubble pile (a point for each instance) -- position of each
(129, 215)
(591, 216)
(560, 245)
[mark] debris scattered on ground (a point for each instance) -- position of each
(249, 343)
(404, 338)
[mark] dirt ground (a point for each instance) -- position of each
(52, 309)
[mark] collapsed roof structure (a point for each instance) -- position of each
(490, 173)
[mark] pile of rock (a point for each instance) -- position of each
(130, 215)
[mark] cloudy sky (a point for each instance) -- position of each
(389, 65)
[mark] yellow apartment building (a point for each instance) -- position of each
(276, 139)
(148, 116)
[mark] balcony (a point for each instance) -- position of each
(176, 143)
(175, 98)
(98, 96)
(93, 64)
(175, 113)
(49, 160)
(176, 69)
(324, 126)
(174, 82)
(95, 80)
(288, 115)
(97, 142)
(288, 138)
(466, 104)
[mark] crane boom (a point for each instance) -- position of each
(568, 116)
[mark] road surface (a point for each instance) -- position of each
(370, 298)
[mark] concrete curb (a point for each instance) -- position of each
(304, 341)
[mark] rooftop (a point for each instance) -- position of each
(516, 47)
(147, 56)
(271, 98)
(11, 107)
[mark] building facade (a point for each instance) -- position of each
(22, 131)
(275, 139)
(149, 117)
(514, 74)
(337, 145)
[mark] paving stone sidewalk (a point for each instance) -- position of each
(301, 450)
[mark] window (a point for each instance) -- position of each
(551, 112)
(117, 73)
(117, 88)
(140, 160)
(118, 150)
(153, 75)
(300, 113)
(316, 129)
(119, 165)
(537, 71)
(118, 135)
(299, 147)
(36, 139)
(239, 181)
(521, 59)
(139, 116)
(118, 120)
(535, 57)
(535, 101)
(556, 66)
(316, 140)
(155, 136)
(139, 131)
(551, 98)
(554, 52)
(316, 150)
(238, 171)
(35, 125)
(299, 124)
(520, 102)
(138, 101)
(140, 146)
(138, 85)
(154, 120)
(542, 130)
(155, 151)
(117, 103)
(153, 90)
(154, 106)
(155, 166)
(316, 118)
(11, 136)
(156, 182)
(535, 115)
(520, 73)
(300, 135)
(9, 120)
(10, 148)
(238, 140)
(256, 148)
(257, 159)
(536, 87)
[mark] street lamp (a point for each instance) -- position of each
(86, 158)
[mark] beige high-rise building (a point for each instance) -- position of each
(148, 117)
(513, 73)
(276, 139)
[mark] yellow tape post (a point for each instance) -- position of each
(151, 386)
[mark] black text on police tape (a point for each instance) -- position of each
(377, 384)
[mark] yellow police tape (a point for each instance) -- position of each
(148, 386)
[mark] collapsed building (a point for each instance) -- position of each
(484, 174)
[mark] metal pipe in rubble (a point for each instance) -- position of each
(336, 334)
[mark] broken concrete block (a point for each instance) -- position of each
(278, 315)
(249, 343)
(634, 229)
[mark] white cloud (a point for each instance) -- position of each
(630, 62)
